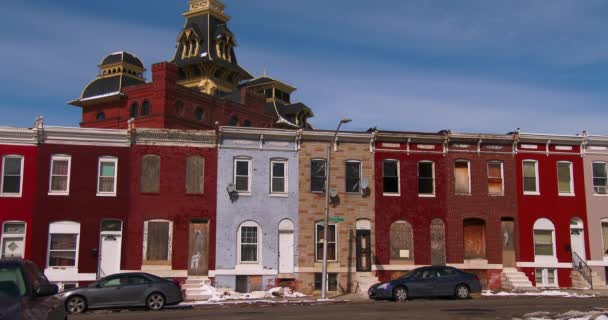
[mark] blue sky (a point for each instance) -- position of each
(470, 65)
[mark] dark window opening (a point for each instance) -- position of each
(100, 116)
(145, 108)
(199, 114)
(247, 123)
(390, 174)
(134, 110)
(318, 174)
(353, 176)
(332, 281)
(234, 121)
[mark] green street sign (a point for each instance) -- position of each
(336, 219)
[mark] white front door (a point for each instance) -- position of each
(577, 241)
(13, 247)
(109, 258)
(286, 252)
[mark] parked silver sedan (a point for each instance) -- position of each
(122, 291)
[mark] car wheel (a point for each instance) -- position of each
(400, 294)
(155, 301)
(462, 292)
(76, 304)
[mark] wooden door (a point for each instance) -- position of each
(474, 239)
(508, 243)
(438, 243)
(198, 263)
(364, 252)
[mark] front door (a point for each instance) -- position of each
(577, 238)
(508, 243)
(198, 249)
(109, 258)
(364, 252)
(286, 252)
(474, 239)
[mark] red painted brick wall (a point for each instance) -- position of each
(22, 208)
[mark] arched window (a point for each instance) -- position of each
(249, 242)
(402, 243)
(145, 108)
(199, 114)
(247, 123)
(234, 121)
(134, 110)
(544, 240)
(100, 116)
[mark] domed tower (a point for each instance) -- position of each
(205, 51)
(116, 71)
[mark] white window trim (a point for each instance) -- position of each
(593, 178)
(392, 194)
(249, 175)
(286, 177)
(571, 193)
(555, 274)
(63, 227)
(502, 177)
(337, 241)
(259, 244)
(536, 174)
(69, 176)
(602, 221)
(360, 175)
(13, 235)
(12, 195)
(545, 225)
(145, 241)
(324, 184)
(424, 195)
(115, 161)
(468, 172)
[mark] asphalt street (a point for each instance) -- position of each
(481, 308)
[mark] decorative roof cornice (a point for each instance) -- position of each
(525, 137)
(85, 136)
(182, 138)
(18, 136)
(343, 136)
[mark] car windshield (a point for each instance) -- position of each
(12, 283)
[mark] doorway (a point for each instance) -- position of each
(474, 234)
(577, 238)
(364, 253)
(198, 249)
(286, 247)
(508, 243)
(110, 247)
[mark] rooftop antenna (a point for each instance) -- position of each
(264, 75)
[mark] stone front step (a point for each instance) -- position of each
(364, 280)
(579, 282)
(197, 289)
(512, 279)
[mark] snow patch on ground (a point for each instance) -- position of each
(570, 315)
(274, 295)
(549, 293)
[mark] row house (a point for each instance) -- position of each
(350, 239)
(257, 211)
(446, 198)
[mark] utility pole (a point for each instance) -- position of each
(326, 224)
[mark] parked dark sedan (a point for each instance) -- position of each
(122, 291)
(25, 293)
(428, 282)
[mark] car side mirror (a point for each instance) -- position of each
(45, 290)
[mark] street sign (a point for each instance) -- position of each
(336, 219)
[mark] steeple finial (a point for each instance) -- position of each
(214, 7)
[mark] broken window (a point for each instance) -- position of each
(353, 176)
(318, 174)
(495, 178)
(462, 177)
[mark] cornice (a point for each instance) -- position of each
(18, 136)
(85, 136)
(182, 138)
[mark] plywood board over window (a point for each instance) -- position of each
(402, 243)
(158, 242)
(438, 257)
(195, 168)
(474, 232)
(150, 174)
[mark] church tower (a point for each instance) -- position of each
(205, 51)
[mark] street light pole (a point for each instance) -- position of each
(326, 224)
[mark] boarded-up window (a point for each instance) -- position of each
(195, 173)
(437, 243)
(530, 176)
(474, 232)
(564, 177)
(402, 241)
(605, 236)
(157, 244)
(495, 178)
(150, 174)
(462, 182)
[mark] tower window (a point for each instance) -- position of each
(247, 123)
(134, 110)
(199, 114)
(100, 116)
(234, 121)
(145, 108)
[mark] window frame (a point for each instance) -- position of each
(604, 243)
(335, 242)
(249, 162)
(60, 157)
(108, 159)
(21, 173)
(426, 195)
(595, 193)
(145, 260)
(571, 167)
(470, 191)
(544, 224)
(202, 182)
(392, 194)
(502, 177)
(4, 235)
(346, 176)
(311, 175)
(64, 228)
(259, 244)
(285, 177)
(536, 176)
